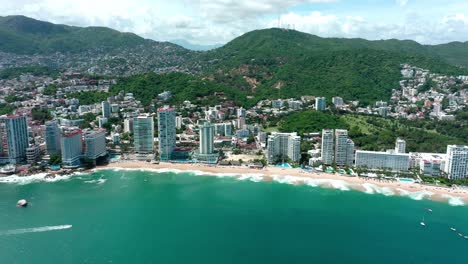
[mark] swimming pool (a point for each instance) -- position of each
(284, 165)
(406, 179)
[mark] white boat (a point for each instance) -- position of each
(466, 237)
(422, 223)
(453, 229)
(429, 210)
(460, 234)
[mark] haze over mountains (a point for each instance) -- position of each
(270, 62)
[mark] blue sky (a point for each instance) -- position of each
(219, 21)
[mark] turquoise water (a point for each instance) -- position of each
(143, 217)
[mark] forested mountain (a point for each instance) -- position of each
(269, 63)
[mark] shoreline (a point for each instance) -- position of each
(454, 196)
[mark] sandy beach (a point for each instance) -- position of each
(456, 196)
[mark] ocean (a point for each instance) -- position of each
(146, 217)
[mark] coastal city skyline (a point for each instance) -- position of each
(221, 131)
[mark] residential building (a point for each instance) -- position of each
(72, 147)
(206, 138)
(320, 103)
(382, 160)
(283, 146)
(205, 152)
(343, 145)
(350, 152)
(52, 137)
(429, 164)
(167, 132)
(241, 112)
(102, 121)
(143, 134)
(32, 154)
(14, 138)
(178, 122)
(95, 144)
(277, 103)
(106, 109)
(337, 101)
(128, 125)
(327, 146)
(456, 166)
(400, 146)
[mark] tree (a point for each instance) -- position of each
(55, 159)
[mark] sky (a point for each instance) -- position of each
(208, 22)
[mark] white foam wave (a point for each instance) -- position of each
(98, 181)
(415, 195)
(35, 230)
(287, 179)
(40, 177)
(371, 189)
(454, 200)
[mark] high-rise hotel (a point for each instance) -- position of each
(456, 165)
(283, 146)
(166, 132)
(143, 134)
(13, 139)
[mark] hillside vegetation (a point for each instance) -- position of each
(276, 63)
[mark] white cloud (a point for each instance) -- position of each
(402, 2)
(218, 21)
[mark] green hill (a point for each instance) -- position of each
(277, 63)
(23, 35)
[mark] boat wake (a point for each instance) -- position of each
(35, 230)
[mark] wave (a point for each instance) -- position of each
(372, 188)
(416, 195)
(98, 181)
(294, 180)
(35, 230)
(454, 200)
(40, 177)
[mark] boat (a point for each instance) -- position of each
(22, 203)
(460, 234)
(466, 237)
(428, 209)
(422, 223)
(453, 229)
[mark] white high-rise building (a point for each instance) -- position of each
(128, 125)
(341, 147)
(206, 138)
(72, 147)
(143, 134)
(14, 138)
(283, 146)
(178, 122)
(400, 146)
(382, 160)
(327, 146)
(320, 103)
(167, 132)
(457, 162)
(95, 144)
(106, 109)
(206, 152)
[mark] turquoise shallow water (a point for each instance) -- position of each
(143, 217)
